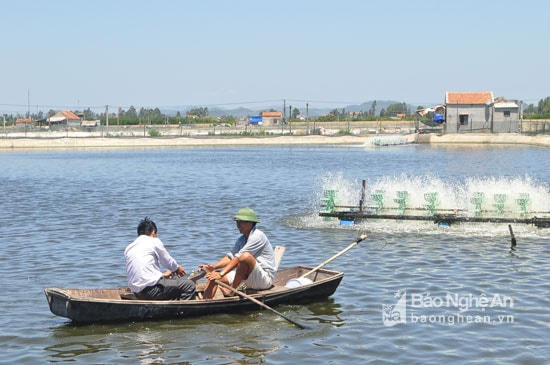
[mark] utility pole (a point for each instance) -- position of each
(290, 118)
(314, 130)
(284, 117)
(307, 117)
(107, 118)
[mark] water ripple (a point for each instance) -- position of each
(69, 215)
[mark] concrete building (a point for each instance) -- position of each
(480, 112)
(65, 117)
(272, 118)
(506, 116)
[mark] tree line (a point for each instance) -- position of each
(541, 111)
(132, 116)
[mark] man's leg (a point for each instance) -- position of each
(170, 289)
(178, 288)
(211, 287)
(246, 264)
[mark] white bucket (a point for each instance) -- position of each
(295, 283)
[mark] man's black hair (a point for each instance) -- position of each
(146, 226)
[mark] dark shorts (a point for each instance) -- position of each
(169, 289)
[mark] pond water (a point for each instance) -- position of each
(413, 291)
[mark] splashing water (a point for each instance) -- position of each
(511, 191)
(426, 195)
(386, 141)
(419, 191)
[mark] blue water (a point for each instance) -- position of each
(67, 216)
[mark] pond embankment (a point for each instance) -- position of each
(137, 142)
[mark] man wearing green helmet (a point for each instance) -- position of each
(251, 256)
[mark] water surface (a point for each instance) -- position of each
(68, 215)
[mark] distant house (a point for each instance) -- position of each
(26, 121)
(479, 112)
(468, 111)
(65, 117)
(90, 125)
(272, 118)
(506, 116)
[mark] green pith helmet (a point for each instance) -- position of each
(247, 215)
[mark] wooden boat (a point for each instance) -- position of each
(119, 305)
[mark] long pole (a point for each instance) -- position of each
(314, 132)
(107, 118)
(307, 117)
(290, 118)
(284, 118)
(362, 201)
(261, 304)
(353, 244)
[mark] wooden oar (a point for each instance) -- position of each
(261, 304)
(353, 244)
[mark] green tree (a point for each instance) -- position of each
(142, 112)
(394, 109)
(152, 116)
(132, 113)
(530, 109)
(200, 112)
(230, 120)
(544, 106)
(372, 109)
(89, 114)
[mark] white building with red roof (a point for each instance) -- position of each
(479, 112)
(65, 117)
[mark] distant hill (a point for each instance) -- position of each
(313, 112)
(380, 104)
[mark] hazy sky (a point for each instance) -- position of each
(179, 54)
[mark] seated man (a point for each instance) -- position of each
(145, 278)
(252, 256)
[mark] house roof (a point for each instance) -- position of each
(506, 105)
(63, 115)
(90, 123)
(272, 114)
(479, 97)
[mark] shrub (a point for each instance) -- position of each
(154, 133)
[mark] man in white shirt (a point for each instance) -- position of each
(145, 278)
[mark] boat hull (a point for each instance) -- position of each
(108, 305)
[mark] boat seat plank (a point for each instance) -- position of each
(278, 252)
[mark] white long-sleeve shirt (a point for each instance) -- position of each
(143, 259)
